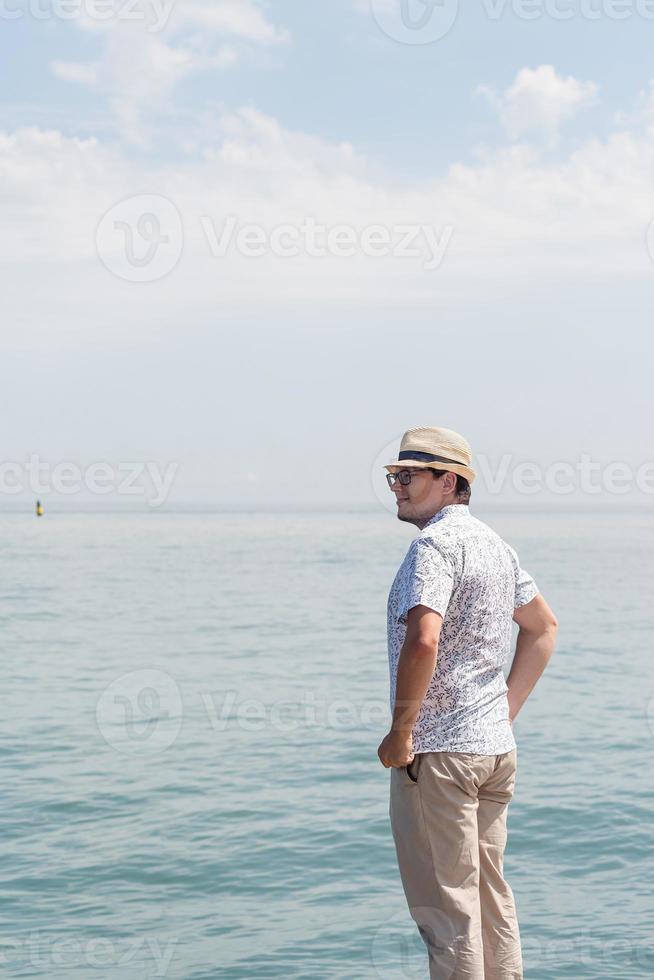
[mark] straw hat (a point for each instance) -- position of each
(434, 448)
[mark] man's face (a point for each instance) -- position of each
(421, 498)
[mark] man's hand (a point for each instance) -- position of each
(396, 750)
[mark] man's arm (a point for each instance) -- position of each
(534, 647)
(414, 673)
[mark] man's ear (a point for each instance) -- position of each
(450, 482)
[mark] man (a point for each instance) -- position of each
(451, 748)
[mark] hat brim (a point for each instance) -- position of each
(460, 468)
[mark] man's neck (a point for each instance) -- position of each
(424, 522)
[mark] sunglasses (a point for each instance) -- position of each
(404, 477)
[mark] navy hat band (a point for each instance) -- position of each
(428, 458)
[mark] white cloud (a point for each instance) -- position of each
(644, 112)
(520, 220)
(539, 100)
(236, 18)
(146, 57)
(75, 71)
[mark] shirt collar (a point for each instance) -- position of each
(451, 510)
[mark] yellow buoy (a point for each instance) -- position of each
(39, 509)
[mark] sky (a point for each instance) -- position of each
(246, 245)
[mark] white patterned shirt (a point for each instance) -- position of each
(462, 569)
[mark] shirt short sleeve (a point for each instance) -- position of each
(429, 580)
(525, 587)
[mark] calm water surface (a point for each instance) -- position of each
(193, 705)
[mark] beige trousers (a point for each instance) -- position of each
(448, 815)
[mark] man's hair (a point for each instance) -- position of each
(463, 489)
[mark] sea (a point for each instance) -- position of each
(192, 707)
